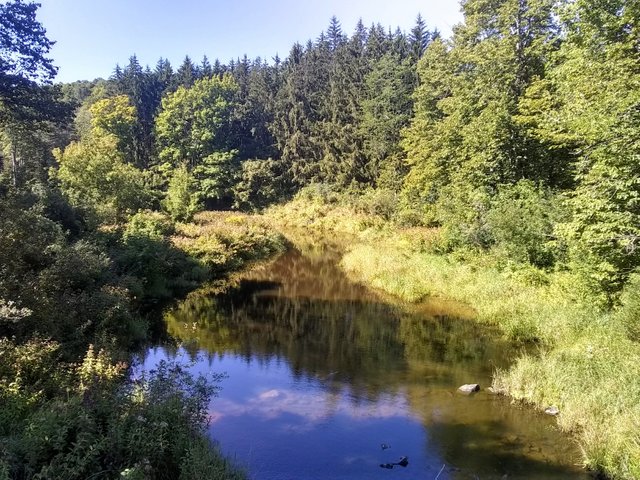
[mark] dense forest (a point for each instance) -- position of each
(518, 136)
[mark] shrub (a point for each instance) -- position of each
(379, 202)
(148, 224)
(76, 421)
(521, 221)
(181, 201)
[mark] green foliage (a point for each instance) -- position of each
(28, 375)
(223, 242)
(463, 214)
(153, 268)
(182, 200)
(115, 116)
(94, 177)
(193, 121)
(24, 47)
(521, 220)
(386, 109)
(628, 314)
(261, 183)
(379, 202)
(92, 421)
(216, 175)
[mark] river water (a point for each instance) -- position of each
(326, 379)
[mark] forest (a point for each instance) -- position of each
(516, 141)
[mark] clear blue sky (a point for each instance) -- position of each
(93, 35)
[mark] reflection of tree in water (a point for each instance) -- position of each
(305, 310)
(302, 309)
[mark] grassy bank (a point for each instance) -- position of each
(586, 363)
(70, 408)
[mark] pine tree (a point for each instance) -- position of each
(418, 39)
(205, 69)
(186, 74)
(335, 36)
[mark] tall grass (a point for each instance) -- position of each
(586, 365)
(224, 241)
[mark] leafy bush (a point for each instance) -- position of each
(154, 269)
(88, 423)
(182, 200)
(521, 222)
(463, 216)
(379, 202)
(149, 224)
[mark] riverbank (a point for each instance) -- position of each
(70, 406)
(587, 365)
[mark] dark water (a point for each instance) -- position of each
(323, 372)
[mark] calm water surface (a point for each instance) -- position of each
(323, 375)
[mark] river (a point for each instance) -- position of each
(326, 379)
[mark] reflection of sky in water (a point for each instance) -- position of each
(280, 427)
(321, 372)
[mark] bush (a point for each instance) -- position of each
(521, 220)
(90, 424)
(152, 267)
(463, 216)
(379, 202)
(182, 200)
(149, 224)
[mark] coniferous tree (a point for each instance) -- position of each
(418, 39)
(187, 74)
(294, 119)
(377, 43)
(205, 70)
(386, 110)
(335, 37)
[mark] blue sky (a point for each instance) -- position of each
(93, 35)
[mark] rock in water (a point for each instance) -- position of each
(469, 388)
(552, 410)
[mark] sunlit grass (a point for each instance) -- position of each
(224, 240)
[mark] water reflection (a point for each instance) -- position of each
(323, 371)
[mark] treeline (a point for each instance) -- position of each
(518, 134)
(250, 133)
